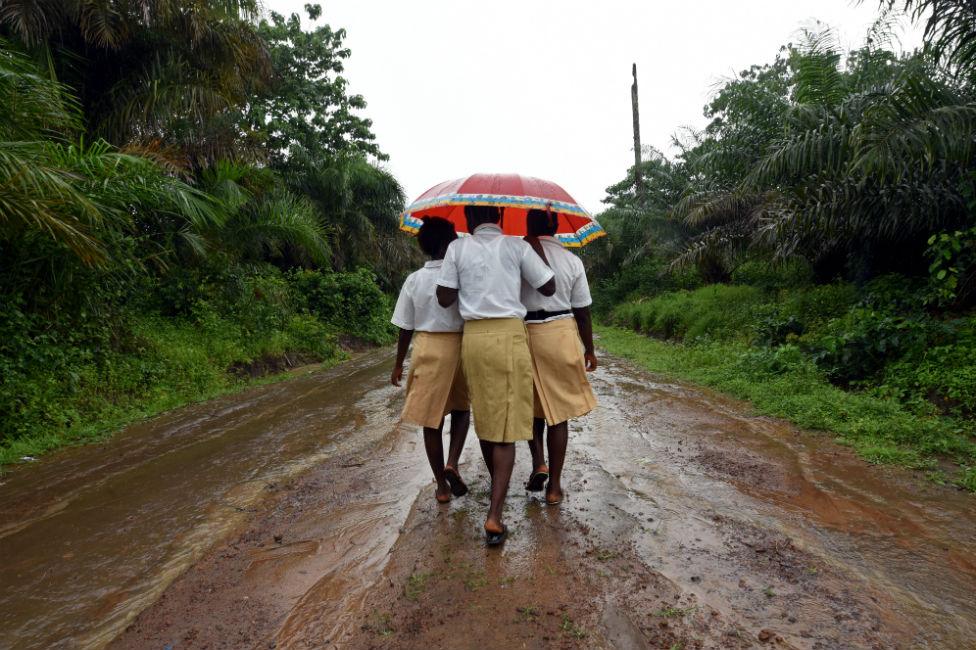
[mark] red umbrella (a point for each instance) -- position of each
(516, 194)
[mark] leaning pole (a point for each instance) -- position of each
(637, 144)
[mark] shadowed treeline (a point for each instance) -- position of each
(185, 188)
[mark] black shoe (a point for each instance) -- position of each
(537, 481)
(495, 539)
(458, 487)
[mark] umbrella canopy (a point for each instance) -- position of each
(516, 194)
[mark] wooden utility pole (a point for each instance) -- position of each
(637, 145)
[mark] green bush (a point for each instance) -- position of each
(802, 310)
(79, 377)
(943, 375)
(952, 272)
(774, 328)
(349, 302)
(815, 305)
(309, 335)
(645, 277)
(769, 276)
(721, 312)
(896, 293)
(928, 364)
(858, 345)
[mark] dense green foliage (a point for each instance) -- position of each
(821, 226)
(69, 383)
(782, 382)
(855, 338)
(185, 200)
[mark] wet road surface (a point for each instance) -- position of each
(299, 515)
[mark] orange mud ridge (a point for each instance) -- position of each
(298, 516)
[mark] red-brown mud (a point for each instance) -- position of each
(300, 516)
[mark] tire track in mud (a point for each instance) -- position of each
(688, 524)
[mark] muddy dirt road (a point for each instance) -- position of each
(298, 516)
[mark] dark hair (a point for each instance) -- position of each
(483, 213)
(538, 223)
(434, 235)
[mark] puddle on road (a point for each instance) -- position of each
(92, 535)
(777, 526)
(352, 542)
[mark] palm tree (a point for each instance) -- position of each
(75, 193)
(950, 29)
(873, 159)
(263, 221)
(152, 73)
(37, 193)
(360, 205)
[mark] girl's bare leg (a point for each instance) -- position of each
(557, 439)
(503, 461)
(434, 446)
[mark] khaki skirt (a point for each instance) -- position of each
(435, 383)
(498, 369)
(562, 391)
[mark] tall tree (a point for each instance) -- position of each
(873, 157)
(307, 111)
(161, 76)
(73, 194)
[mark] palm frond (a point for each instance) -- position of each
(714, 248)
(31, 105)
(918, 120)
(950, 27)
(881, 35)
(276, 222)
(31, 21)
(225, 181)
(36, 194)
(823, 150)
(816, 70)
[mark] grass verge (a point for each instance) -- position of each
(167, 365)
(783, 383)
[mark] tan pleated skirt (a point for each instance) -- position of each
(498, 369)
(435, 382)
(562, 391)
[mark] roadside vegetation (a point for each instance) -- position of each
(189, 198)
(813, 248)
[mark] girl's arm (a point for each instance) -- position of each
(584, 323)
(403, 344)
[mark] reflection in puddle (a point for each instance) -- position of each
(92, 535)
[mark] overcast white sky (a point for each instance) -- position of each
(542, 87)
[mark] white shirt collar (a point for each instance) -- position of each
(487, 227)
(433, 264)
(548, 238)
